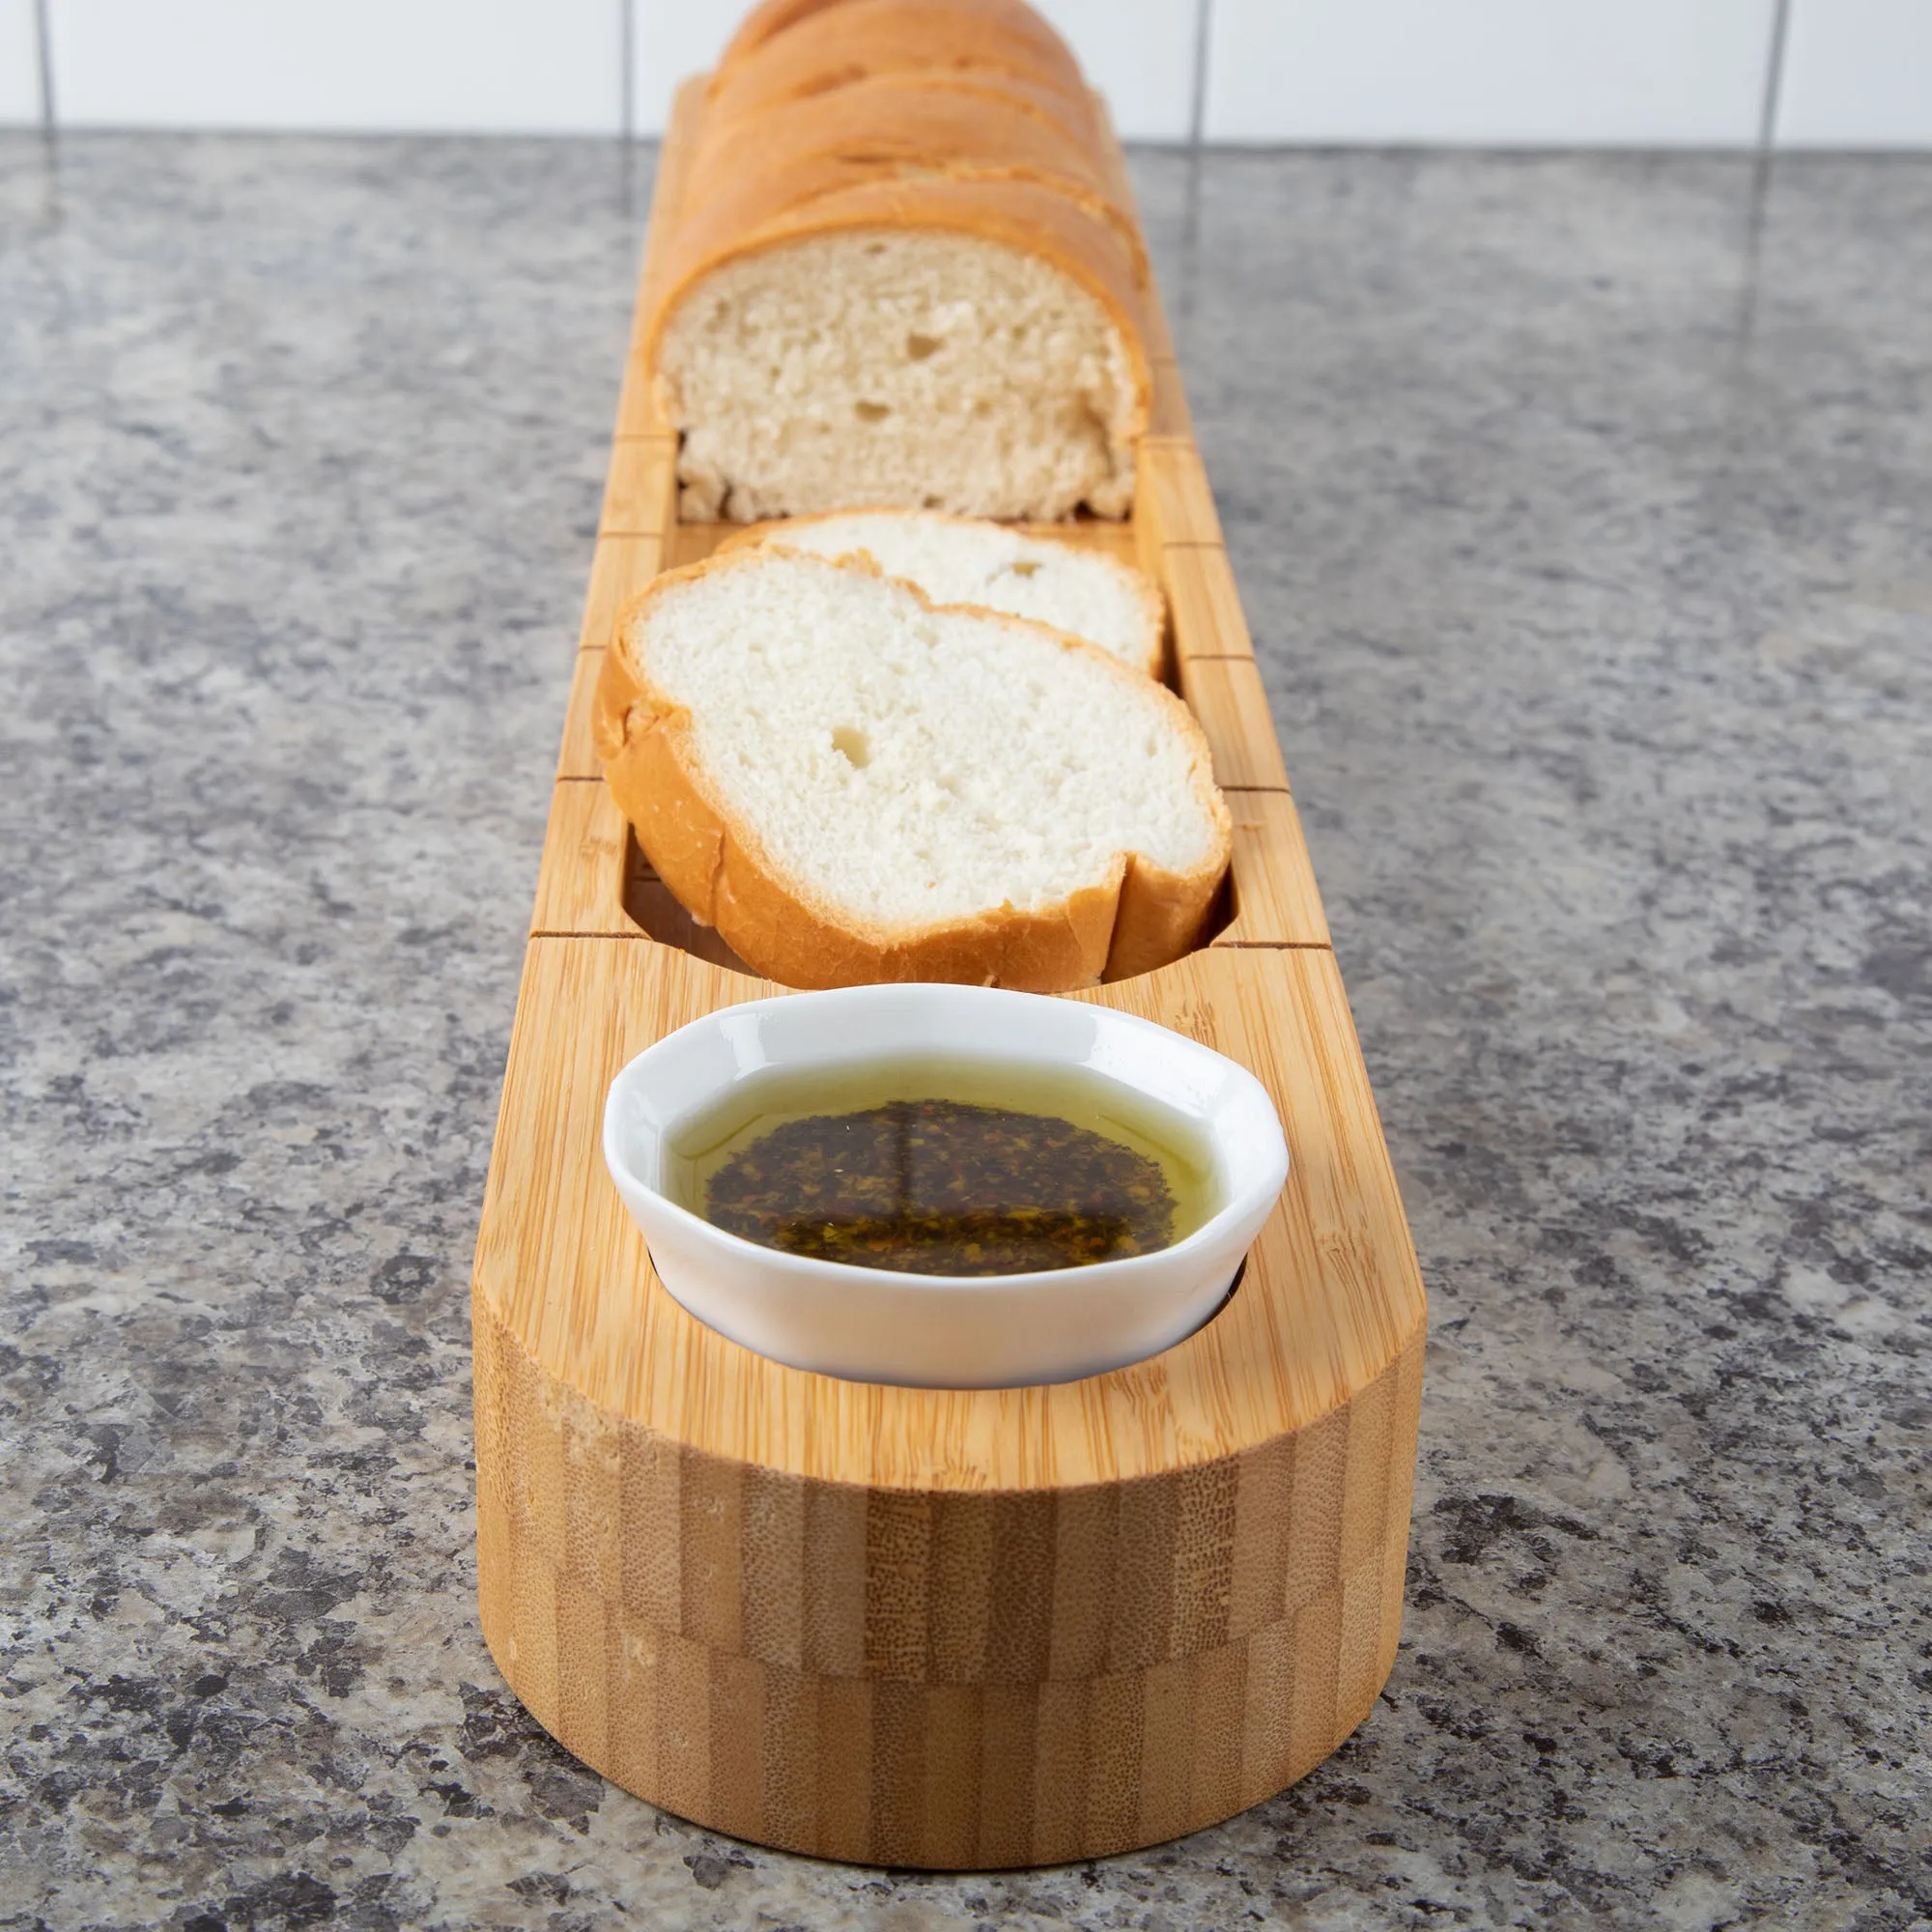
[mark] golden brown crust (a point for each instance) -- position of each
(766, 23)
(1146, 591)
(1011, 92)
(837, 47)
(1019, 215)
(1140, 917)
(749, 199)
(889, 126)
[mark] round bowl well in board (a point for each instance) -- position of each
(930, 1330)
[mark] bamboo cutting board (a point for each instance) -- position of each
(922, 1627)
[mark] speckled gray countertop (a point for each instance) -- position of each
(1583, 511)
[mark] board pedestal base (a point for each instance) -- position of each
(948, 1681)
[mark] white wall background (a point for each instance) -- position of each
(20, 77)
(1858, 74)
(1516, 72)
(1487, 72)
(498, 66)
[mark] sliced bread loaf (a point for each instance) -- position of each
(903, 271)
(852, 784)
(967, 560)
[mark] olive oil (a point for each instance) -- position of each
(938, 1166)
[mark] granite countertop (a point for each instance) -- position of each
(1580, 506)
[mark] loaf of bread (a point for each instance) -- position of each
(902, 273)
(853, 785)
(965, 560)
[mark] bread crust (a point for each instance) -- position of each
(836, 46)
(1019, 215)
(1146, 591)
(1013, 92)
(887, 126)
(1139, 916)
(764, 23)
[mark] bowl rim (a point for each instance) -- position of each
(1211, 1234)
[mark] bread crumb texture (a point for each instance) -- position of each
(910, 765)
(961, 561)
(916, 368)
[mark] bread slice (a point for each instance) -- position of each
(853, 785)
(940, 343)
(966, 560)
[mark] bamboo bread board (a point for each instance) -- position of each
(921, 1627)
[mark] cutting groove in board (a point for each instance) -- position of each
(928, 1626)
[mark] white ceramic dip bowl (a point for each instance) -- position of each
(935, 1330)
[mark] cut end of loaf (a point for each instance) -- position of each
(917, 369)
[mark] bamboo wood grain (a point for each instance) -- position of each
(1172, 503)
(1274, 897)
(930, 1626)
(641, 493)
(1169, 415)
(1203, 604)
(619, 568)
(1225, 693)
(580, 878)
(577, 754)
